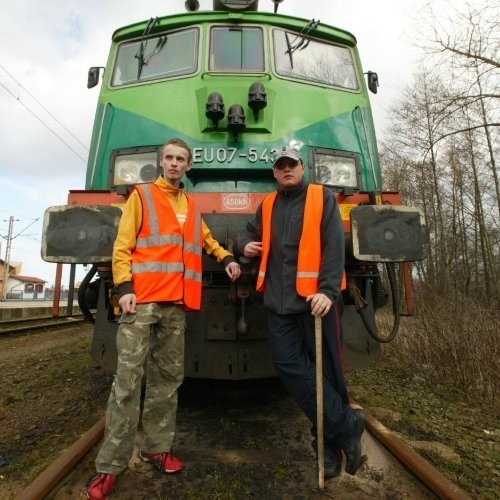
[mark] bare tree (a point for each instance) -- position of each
(470, 35)
(418, 122)
(442, 147)
(468, 46)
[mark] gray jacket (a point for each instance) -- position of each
(280, 295)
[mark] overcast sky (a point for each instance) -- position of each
(46, 49)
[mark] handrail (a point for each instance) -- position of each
(106, 105)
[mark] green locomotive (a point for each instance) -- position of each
(237, 84)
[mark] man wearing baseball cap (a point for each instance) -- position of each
(297, 233)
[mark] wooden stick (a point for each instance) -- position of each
(319, 402)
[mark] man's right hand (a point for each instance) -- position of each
(253, 249)
(127, 303)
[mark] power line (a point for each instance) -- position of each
(17, 98)
(43, 107)
(10, 221)
(29, 225)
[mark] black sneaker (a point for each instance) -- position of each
(333, 462)
(333, 459)
(352, 445)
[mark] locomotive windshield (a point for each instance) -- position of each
(313, 60)
(165, 56)
(236, 49)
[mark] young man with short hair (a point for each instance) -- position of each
(157, 272)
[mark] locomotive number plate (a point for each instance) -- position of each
(229, 155)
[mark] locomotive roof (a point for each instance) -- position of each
(266, 18)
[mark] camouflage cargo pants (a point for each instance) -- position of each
(155, 334)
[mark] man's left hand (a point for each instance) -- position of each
(320, 304)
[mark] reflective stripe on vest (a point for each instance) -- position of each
(309, 255)
(166, 262)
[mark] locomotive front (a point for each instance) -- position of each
(236, 84)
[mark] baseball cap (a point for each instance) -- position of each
(287, 152)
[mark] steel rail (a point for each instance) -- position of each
(32, 319)
(38, 324)
(431, 477)
(53, 474)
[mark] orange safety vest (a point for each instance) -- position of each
(166, 262)
(309, 255)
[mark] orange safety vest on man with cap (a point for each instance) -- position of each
(309, 254)
(304, 257)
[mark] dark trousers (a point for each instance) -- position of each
(292, 343)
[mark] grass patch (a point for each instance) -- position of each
(430, 414)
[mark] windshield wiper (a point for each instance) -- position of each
(289, 50)
(301, 41)
(141, 58)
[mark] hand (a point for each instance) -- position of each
(233, 270)
(253, 249)
(127, 303)
(320, 304)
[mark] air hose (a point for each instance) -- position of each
(382, 330)
(81, 294)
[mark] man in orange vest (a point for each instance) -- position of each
(157, 271)
(297, 232)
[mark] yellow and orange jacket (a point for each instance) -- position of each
(157, 253)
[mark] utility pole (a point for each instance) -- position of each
(6, 263)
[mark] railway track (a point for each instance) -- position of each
(249, 441)
(25, 326)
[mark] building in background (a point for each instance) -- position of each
(14, 286)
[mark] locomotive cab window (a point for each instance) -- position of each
(236, 49)
(314, 61)
(165, 56)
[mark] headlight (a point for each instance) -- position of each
(135, 168)
(334, 170)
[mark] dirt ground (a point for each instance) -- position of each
(39, 411)
(241, 448)
(248, 440)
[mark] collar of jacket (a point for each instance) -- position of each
(293, 191)
(162, 183)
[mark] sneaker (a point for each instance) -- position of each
(333, 462)
(164, 462)
(332, 459)
(100, 486)
(352, 447)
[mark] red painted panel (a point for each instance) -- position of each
(82, 197)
